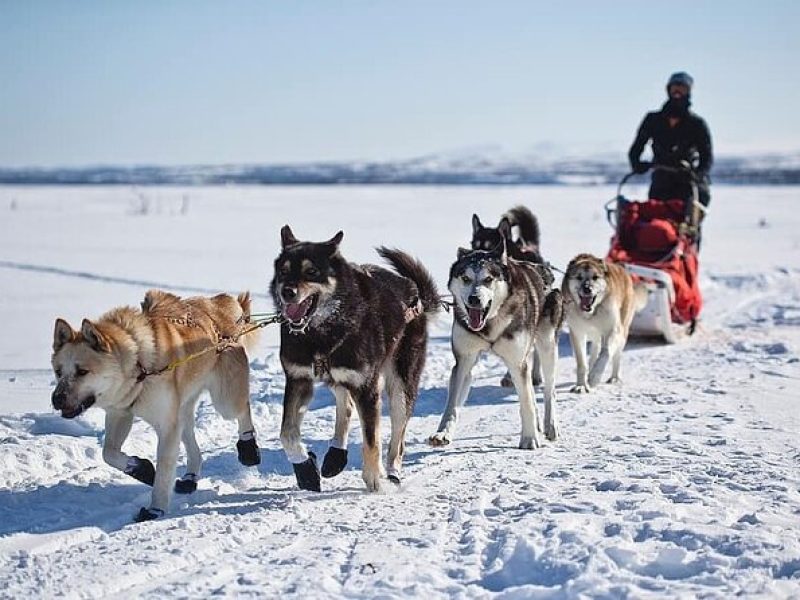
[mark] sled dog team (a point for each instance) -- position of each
(359, 329)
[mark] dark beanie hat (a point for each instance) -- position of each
(680, 78)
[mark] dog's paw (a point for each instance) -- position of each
(552, 431)
(580, 389)
(614, 380)
(307, 474)
(186, 484)
(440, 438)
(529, 442)
(372, 479)
(148, 514)
(141, 469)
(506, 381)
(248, 452)
(334, 463)
(393, 475)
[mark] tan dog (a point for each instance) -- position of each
(600, 301)
(114, 363)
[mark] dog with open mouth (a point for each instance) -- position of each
(524, 246)
(601, 300)
(116, 363)
(356, 328)
(504, 306)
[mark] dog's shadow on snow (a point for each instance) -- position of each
(433, 400)
(68, 506)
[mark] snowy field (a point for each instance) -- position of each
(682, 482)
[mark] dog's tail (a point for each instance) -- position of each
(250, 339)
(528, 225)
(407, 266)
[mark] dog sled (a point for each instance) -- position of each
(657, 241)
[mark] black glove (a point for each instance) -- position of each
(641, 167)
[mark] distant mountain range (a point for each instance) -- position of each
(455, 169)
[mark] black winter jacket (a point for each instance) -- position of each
(689, 140)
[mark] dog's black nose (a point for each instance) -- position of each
(288, 293)
(473, 300)
(59, 398)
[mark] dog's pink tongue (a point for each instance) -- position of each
(295, 311)
(475, 317)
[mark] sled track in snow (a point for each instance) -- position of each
(6, 264)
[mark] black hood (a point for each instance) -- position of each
(677, 107)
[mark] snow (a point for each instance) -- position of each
(681, 482)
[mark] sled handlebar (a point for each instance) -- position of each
(685, 169)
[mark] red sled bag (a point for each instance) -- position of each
(649, 234)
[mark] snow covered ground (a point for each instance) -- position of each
(681, 482)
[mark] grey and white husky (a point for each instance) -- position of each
(525, 247)
(503, 305)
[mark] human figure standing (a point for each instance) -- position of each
(678, 135)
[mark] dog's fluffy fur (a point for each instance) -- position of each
(524, 247)
(101, 363)
(601, 300)
(502, 305)
(352, 327)
(488, 238)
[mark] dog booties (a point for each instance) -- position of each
(334, 463)
(307, 474)
(248, 452)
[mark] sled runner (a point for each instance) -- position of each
(657, 241)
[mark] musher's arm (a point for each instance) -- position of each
(704, 149)
(643, 136)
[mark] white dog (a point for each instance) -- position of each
(600, 302)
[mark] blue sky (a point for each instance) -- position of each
(199, 82)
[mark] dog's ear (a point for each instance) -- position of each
(93, 337)
(462, 252)
(476, 224)
(504, 227)
(605, 268)
(62, 333)
(332, 245)
(287, 237)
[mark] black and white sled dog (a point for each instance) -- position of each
(524, 247)
(503, 305)
(355, 328)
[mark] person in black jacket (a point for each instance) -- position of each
(677, 135)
